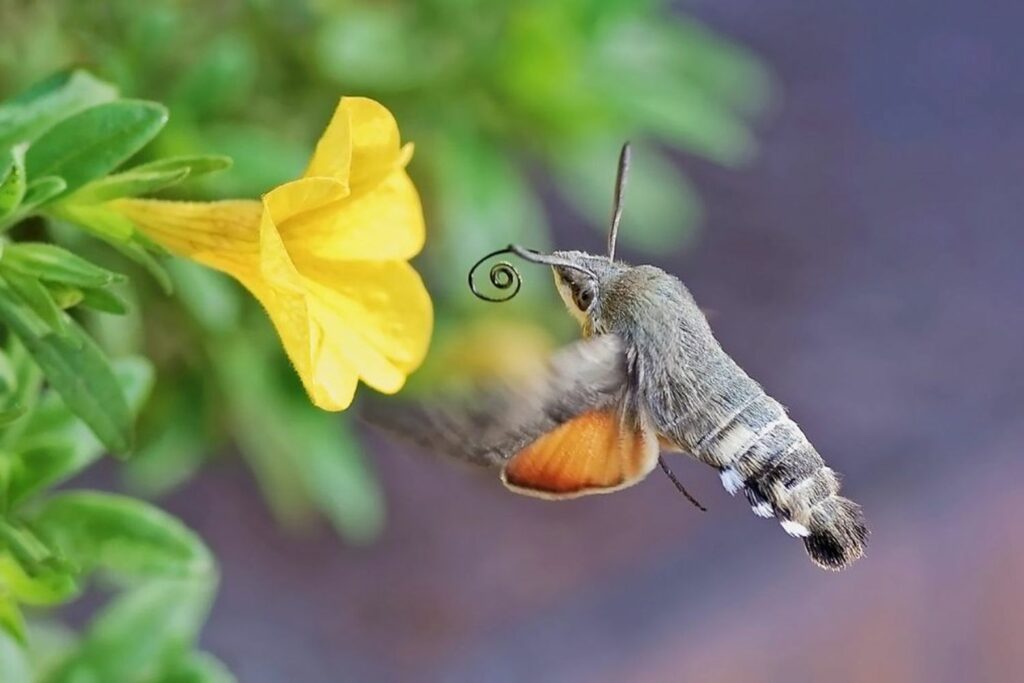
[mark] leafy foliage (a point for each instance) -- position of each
(64, 401)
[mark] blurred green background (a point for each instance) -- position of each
(512, 107)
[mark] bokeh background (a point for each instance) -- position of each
(856, 241)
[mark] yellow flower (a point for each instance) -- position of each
(326, 255)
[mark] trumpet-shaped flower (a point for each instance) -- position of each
(326, 255)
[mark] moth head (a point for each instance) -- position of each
(582, 280)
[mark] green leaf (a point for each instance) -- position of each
(10, 409)
(76, 368)
(119, 233)
(38, 299)
(9, 415)
(139, 631)
(11, 620)
(8, 375)
(6, 469)
(49, 584)
(56, 445)
(54, 264)
(6, 165)
(196, 165)
(12, 180)
(44, 104)
(27, 380)
(122, 535)
(24, 546)
(104, 300)
(196, 667)
(27, 320)
(40, 191)
(128, 184)
(94, 142)
(64, 296)
(120, 334)
(100, 220)
(39, 465)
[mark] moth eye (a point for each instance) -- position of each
(583, 297)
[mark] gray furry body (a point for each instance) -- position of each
(701, 402)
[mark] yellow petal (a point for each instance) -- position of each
(276, 264)
(223, 235)
(333, 154)
(333, 384)
(329, 381)
(360, 145)
(341, 344)
(328, 375)
(384, 304)
(304, 194)
(381, 224)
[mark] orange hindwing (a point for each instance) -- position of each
(595, 452)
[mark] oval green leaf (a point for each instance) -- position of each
(94, 142)
(128, 184)
(197, 165)
(12, 180)
(40, 191)
(75, 368)
(123, 535)
(54, 264)
(55, 445)
(47, 102)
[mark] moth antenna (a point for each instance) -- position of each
(620, 187)
(534, 256)
(679, 485)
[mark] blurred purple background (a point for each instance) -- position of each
(868, 269)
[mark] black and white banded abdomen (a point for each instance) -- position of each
(760, 451)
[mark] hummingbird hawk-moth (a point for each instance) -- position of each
(648, 376)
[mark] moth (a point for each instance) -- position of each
(647, 376)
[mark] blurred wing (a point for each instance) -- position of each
(552, 436)
(596, 452)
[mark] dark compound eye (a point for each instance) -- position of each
(583, 297)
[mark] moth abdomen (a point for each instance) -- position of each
(759, 450)
(784, 472)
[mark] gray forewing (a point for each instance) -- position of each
(491, 425)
